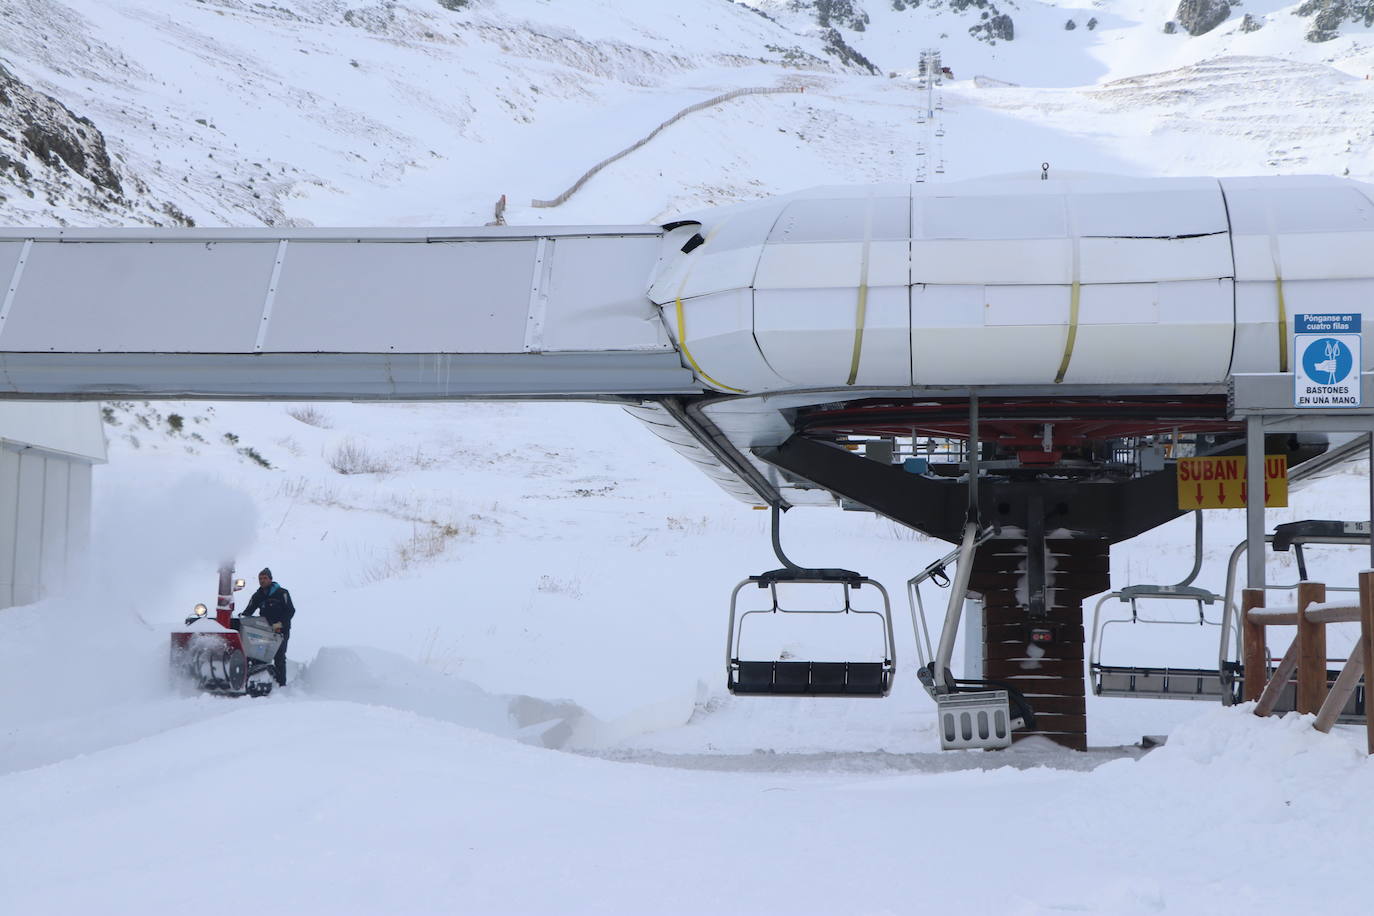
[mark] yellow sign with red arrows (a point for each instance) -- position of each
(1219, 483)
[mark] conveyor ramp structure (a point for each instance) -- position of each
(323, 313)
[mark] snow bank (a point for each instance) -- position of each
(364, 675)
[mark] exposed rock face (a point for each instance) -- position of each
(993, 25)
(1198, 17)
(1170, 27)
(1070, 26)
(34, 126)
(842, 13)
(994, 28)
(831, 16)
(1250, 23)
(1330, 15)
(836, 45)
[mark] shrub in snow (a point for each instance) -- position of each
(571, 588)
(352, 458)
(1070, 26)
(311, 416)
(253, 455)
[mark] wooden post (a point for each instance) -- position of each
(1253, 655)
(1311, 650)
(1277, 682)
(1367, 632)
(1342, 689)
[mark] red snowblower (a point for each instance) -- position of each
(226, 655)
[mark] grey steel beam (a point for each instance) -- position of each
(340, 376)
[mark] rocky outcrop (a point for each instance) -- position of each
(842, 13)
(39, 132)
(835, 44)
(994, 28)
(1250, 23)
(1198, 17)
(993, 25)
(1329, 15)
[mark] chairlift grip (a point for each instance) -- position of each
(954, 610)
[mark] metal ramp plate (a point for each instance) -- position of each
(979, 719)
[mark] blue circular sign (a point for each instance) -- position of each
(1327, 361)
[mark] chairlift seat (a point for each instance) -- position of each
(1158, 683)
(867, 679)
(792, 677)
(828, 677)
(811, 679)
(753, 677)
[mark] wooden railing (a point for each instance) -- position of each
(1307, 654)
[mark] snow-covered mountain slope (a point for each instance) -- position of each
(412, 112)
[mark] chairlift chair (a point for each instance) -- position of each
(785, 677)
(1288, 536)
(1173, 683)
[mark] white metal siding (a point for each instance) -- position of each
(45, 513)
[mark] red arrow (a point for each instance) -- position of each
(1266, 492)
(1199, 494)
(1242, 493)
(1221, 492)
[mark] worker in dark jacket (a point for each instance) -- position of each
(277, 609)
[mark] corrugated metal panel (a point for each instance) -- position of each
(78, 514)
(52, 564)
(45, 516)
(28, 545)
(9, 523)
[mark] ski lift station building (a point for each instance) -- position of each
(47, 451)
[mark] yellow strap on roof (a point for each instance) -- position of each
(1073, 333)
(861, 309)
(682, 342)
(1283, 321)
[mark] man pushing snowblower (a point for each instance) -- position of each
(277, 609)
(233, 656)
